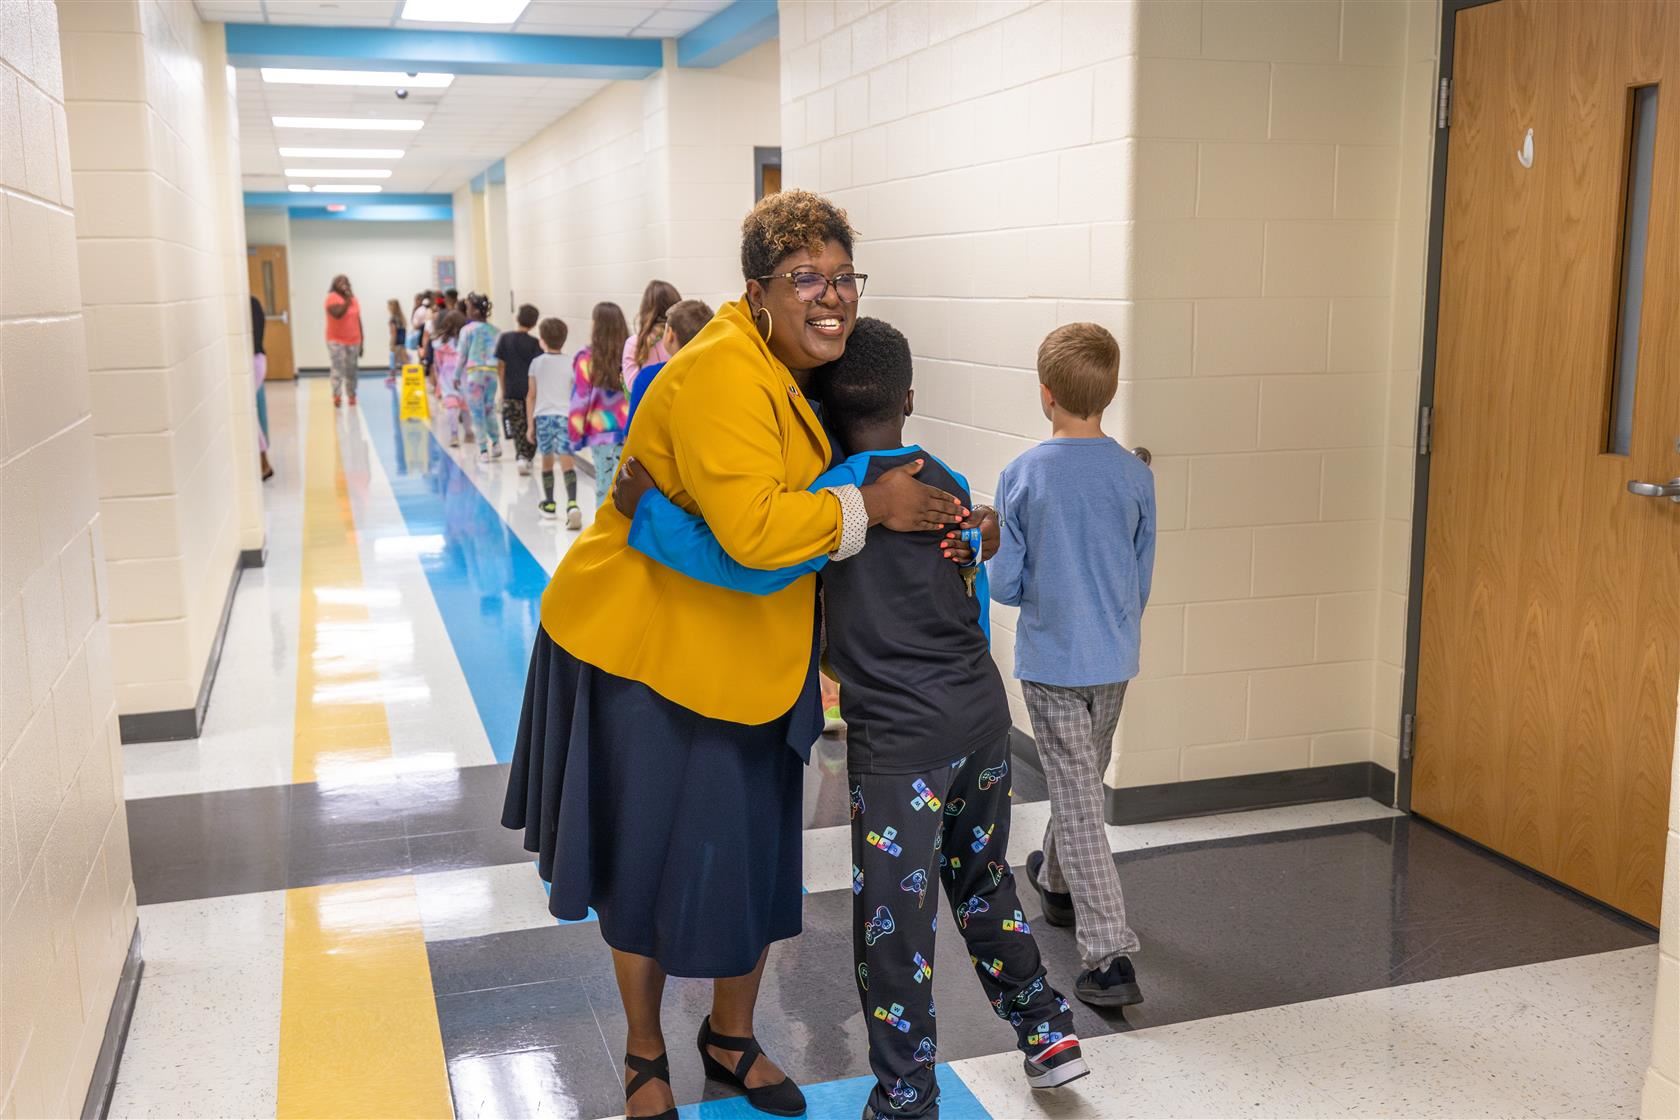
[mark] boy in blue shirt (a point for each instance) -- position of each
(1077, 517)
(927, 743)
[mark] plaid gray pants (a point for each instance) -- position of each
(1074, 729)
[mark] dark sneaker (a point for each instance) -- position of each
(1058, 908)
(1056, 1064)
(547, 509)
(1113, 986)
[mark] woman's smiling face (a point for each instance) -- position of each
(806, 335)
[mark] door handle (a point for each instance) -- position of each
(284, 317)
(1669, 489)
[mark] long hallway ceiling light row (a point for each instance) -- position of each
(423, 92)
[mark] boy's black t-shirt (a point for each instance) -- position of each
(516, 350)
(919, 687)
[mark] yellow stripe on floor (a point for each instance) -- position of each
(358, 1021)
(340, 722)
(359, 1030)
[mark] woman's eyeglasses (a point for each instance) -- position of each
(813, 286)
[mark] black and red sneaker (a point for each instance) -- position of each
(1057, 1064)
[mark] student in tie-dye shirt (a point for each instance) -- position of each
(478, 374)
(599, 410)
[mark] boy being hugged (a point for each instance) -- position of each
(1077, 517)
(927, 741)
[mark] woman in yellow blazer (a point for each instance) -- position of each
(657, 767)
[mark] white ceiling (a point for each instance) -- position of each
(471, 124)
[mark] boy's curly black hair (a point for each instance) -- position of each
(786, 222)
(867, 383)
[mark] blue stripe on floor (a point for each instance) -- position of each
(487, 584)
(844, 1100)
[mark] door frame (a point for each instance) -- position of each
(1421, 460)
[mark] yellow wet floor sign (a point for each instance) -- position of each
(414, 403)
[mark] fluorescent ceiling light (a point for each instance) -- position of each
(341, 153)
(355, 124)
(298, 188)
(338, 173)
(386, 78)
(464, 11)
(346, 188)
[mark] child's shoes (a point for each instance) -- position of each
(1057, 1064)
(1114, 985)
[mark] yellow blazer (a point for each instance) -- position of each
(725, 433)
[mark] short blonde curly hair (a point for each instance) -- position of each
(786, 222)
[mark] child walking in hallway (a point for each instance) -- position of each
(515, 351)
(447, 366)
(548, 403)
(1077, 518)
(478, 365)
(598, 410)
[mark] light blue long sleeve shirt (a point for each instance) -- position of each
(1078, 524)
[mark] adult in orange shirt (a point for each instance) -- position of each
(344, 338)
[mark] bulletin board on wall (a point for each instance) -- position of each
(443, 273)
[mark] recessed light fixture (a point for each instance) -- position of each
(338, 173)
(341, 153)
(392, 78)
(298, 188)
(346, 188)
(354, 124)
(463, 11)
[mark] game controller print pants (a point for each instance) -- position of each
(911, 835)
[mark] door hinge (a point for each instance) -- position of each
(1443, 104)
(1425, 429)
(1407, 723)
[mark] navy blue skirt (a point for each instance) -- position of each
(682, 832)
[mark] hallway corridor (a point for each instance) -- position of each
(335, 924)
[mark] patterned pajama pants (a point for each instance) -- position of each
(1074, 729)
(345, 365)
(514, 423)
(481, 399)
(911, 835)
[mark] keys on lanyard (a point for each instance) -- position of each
(971, 570)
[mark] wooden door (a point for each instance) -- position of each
(1550, 643)
(267, 265)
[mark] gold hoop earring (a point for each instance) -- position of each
(769, 323)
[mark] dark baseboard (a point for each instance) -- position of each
(1172, 800)
(1302, 786)
(185, 723)
(97, 1105)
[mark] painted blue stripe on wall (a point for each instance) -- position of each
(296, 198)
(844, 1100)
(487, 584)
(730, 33)
(454, 52)
(373, 214)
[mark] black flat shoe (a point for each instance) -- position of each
(780, 1099)
(1113, 986)
(1058, 908)
(647, 1069)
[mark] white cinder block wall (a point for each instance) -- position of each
(645, 180)
(66, 893)
(152, 236)
(1219, 184)
(234, 287)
